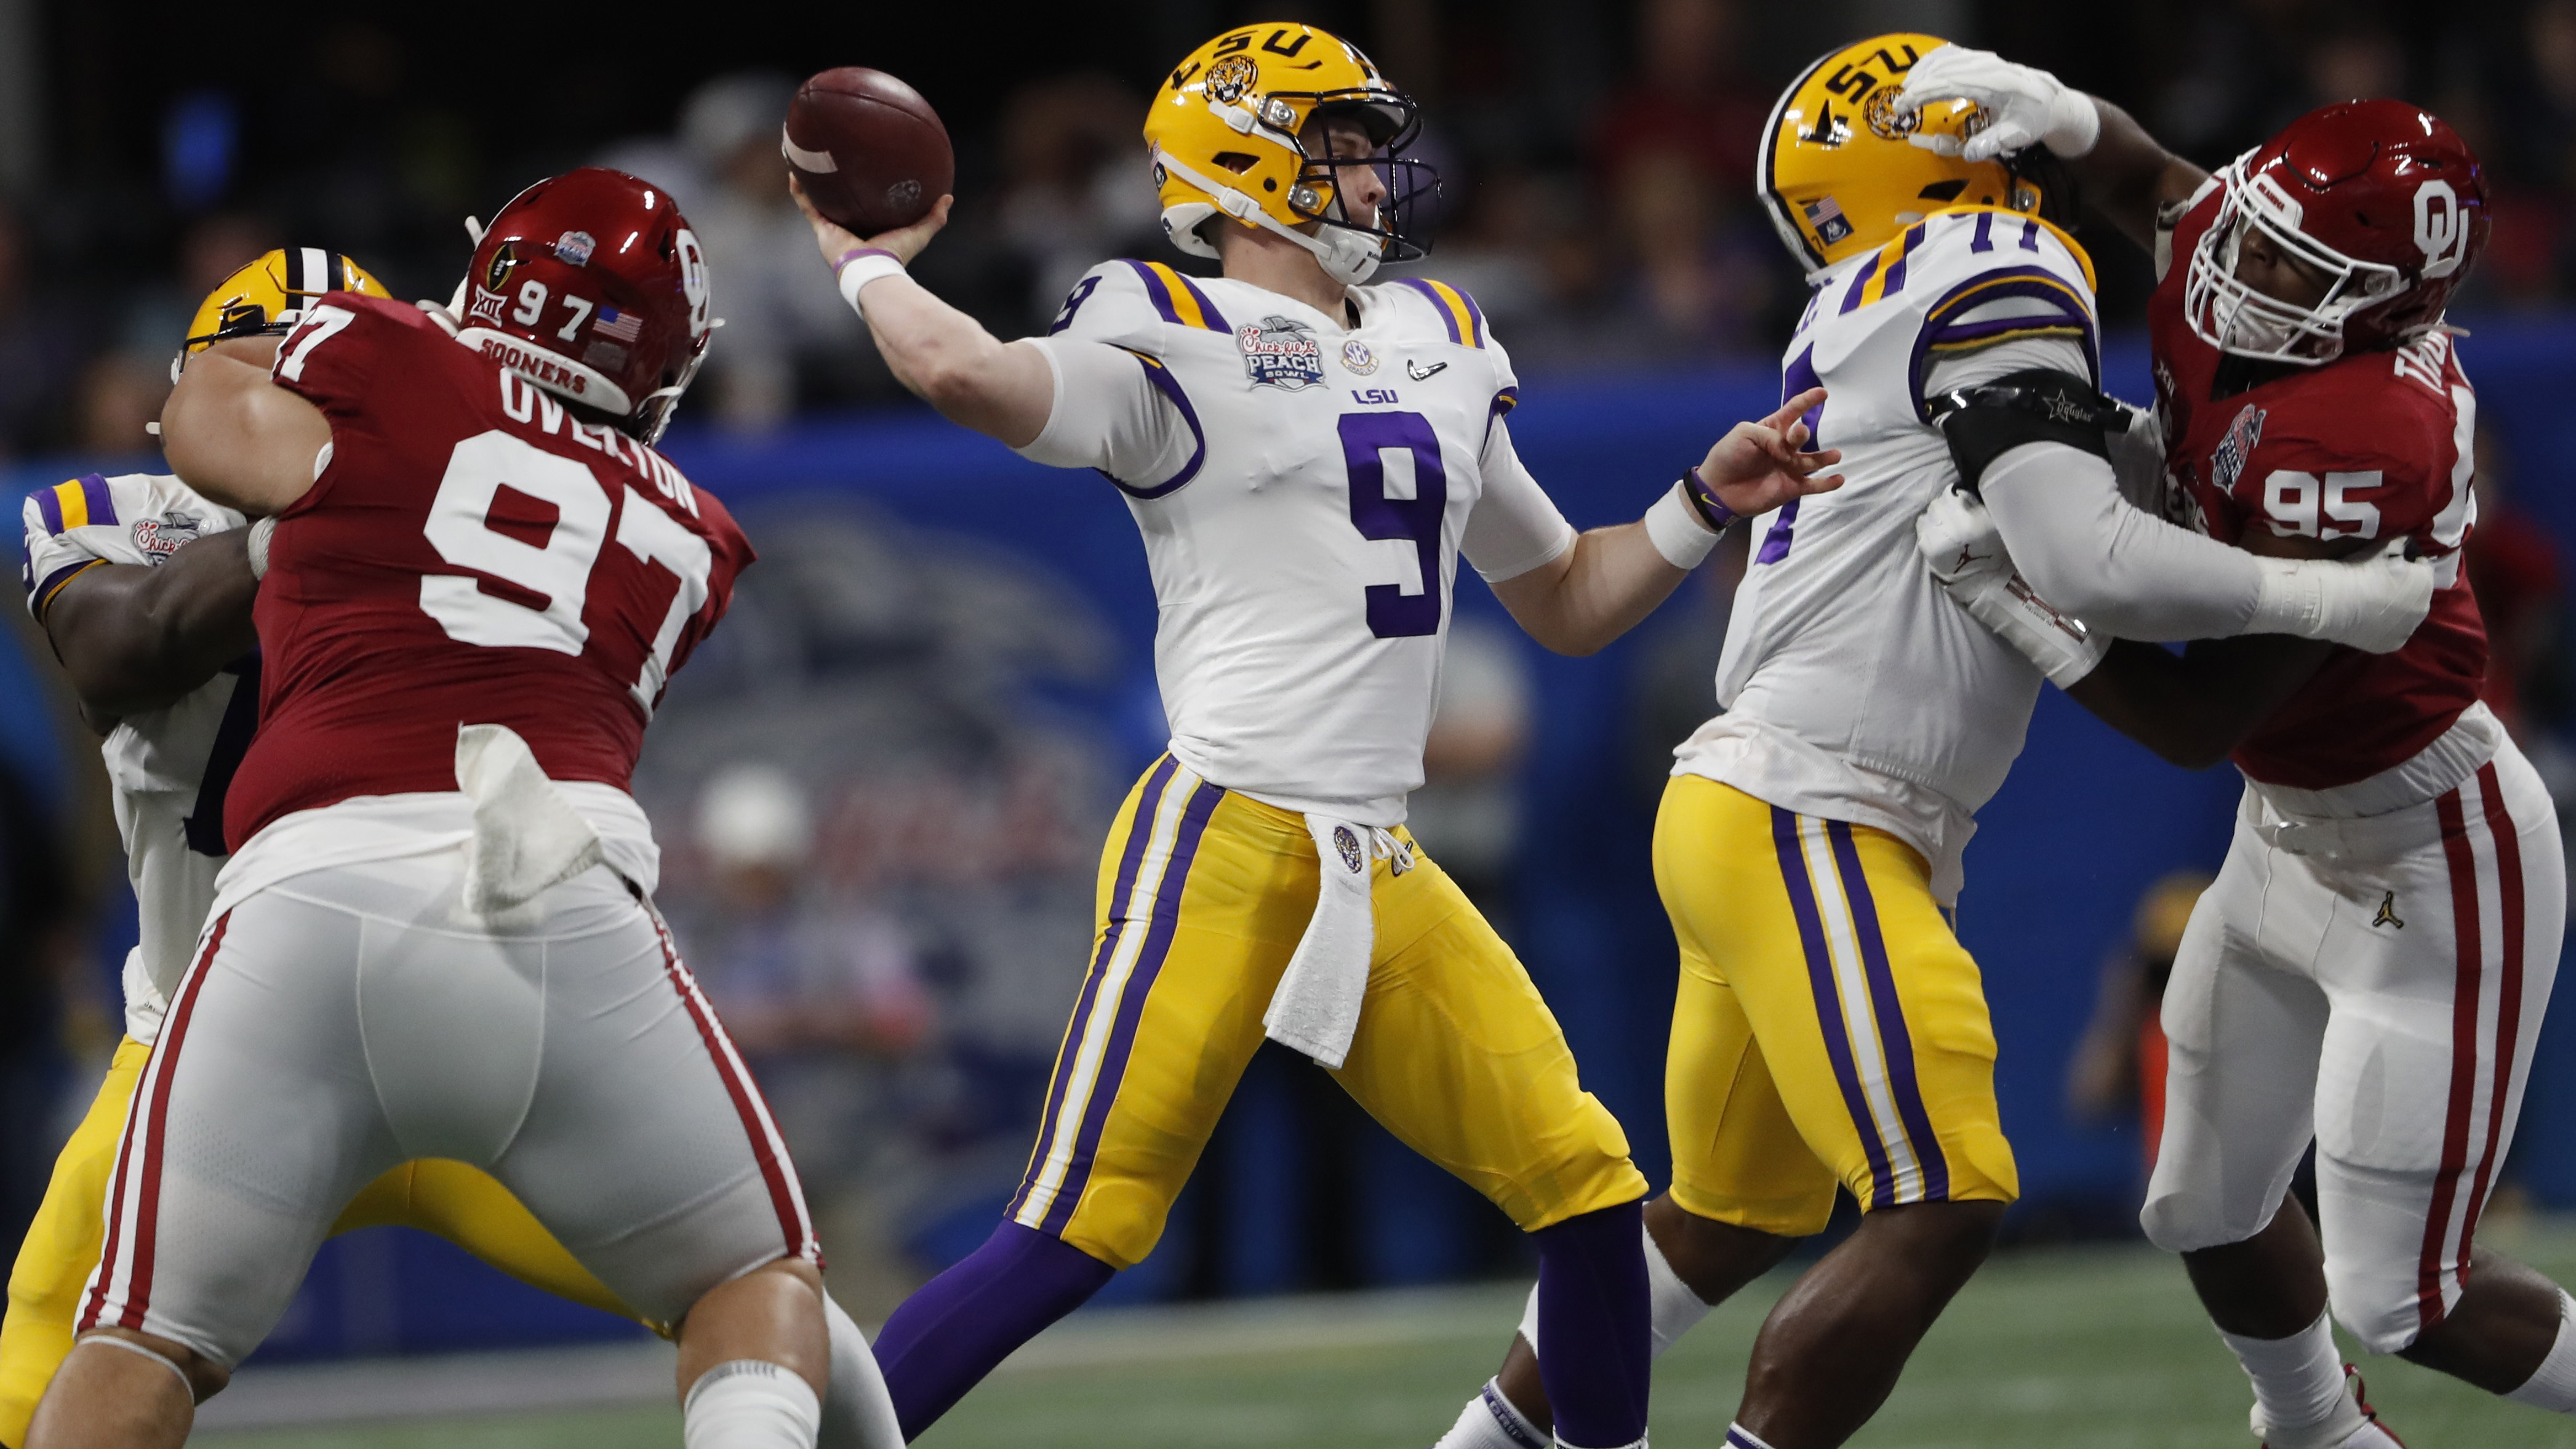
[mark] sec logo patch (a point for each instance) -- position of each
(1357, 357)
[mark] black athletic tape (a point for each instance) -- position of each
(2039, 405)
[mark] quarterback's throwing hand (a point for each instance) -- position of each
(2022, 105)
(837, 241)
(1757, 467)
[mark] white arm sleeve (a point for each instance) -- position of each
(2080, 544)
(1111, 414)
(1515, 526)
(2119, 570)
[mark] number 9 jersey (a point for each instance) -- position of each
(1304, 487)
(471, 552)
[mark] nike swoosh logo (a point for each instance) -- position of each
(1418, 372)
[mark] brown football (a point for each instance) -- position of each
(869, 150)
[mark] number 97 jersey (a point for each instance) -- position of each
(471, 552)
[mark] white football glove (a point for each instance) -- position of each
(2022, 105)
(2372, 604)
(1967, 557)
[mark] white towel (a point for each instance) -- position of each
(1317, 1006)
(526, 835)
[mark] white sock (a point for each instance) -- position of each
(1491, 1422)
(857, 1413)
(1677, 1310)
(1739, 1437)
(750, 1403)
(2298, 1381)
(2552, 1386)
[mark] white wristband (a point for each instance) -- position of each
(1674, 527)
(257, 543)
(858, 268)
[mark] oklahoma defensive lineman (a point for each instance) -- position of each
(1307, 457)
(145, 590)
(2371, 967)
(433, 937)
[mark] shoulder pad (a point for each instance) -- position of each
(1455, 311)
(1129, 303)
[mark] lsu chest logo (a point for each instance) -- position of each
(1281, 353)
(161, 537)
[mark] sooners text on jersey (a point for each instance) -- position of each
(2375, 445)
(471, 554)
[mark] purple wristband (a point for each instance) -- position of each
(1712, 510)
(854, 253)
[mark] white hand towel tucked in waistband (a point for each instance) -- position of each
(1317, 1006)
(526, 835)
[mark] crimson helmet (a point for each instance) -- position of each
(591, 285)
(2381, 196)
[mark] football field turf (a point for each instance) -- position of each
(2078, 1348)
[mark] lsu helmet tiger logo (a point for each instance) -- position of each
(267, 297)
(1843, 170)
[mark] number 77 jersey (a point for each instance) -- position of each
(471, 552)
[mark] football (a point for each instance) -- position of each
(868, 149)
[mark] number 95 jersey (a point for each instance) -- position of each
(1304, 487)
(470, 553)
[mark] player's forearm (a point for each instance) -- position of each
(134, 638)
(2195, 708)
(2129, 174)
(947, 359)
(1599, 589)
(2089, 553)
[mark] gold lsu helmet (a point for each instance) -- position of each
(268, 297)
(1843, 169)
(1223, 132)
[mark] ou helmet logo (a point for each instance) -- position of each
(2441, 230)
(693, 274)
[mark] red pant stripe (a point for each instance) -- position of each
(767, 1147)
(152, 1111)
(2469, 953)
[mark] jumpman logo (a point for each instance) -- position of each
(2388, 912)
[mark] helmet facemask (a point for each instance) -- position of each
(2236, 319)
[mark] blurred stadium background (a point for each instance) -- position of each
(881, 787)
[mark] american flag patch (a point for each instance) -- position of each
(621, 325)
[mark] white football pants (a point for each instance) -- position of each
(356, 1017)
(2376, 984)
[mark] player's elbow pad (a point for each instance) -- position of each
(2037, 405)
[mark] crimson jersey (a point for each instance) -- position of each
(470, 553)
(2374, 445)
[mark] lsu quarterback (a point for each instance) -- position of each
(145, 588)
(1829, 1031)
(2366, 972)
(1307, 456)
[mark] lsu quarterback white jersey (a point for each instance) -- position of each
(1854, 688)
(167, 768)
(1305, 487)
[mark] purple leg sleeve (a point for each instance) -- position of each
(946, 1337)
(1594, 1322)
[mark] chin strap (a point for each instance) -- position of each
(1348, 257)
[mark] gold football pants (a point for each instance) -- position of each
(1203, 896)
(1829, 1028)
(457, 1202)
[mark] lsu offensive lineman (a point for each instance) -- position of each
(145, 587)
(1307, 457)
(1829, 1030)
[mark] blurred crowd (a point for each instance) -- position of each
(1598, 164)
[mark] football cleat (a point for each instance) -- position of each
(2353, 1425)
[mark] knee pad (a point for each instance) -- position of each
(2376, 1302)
